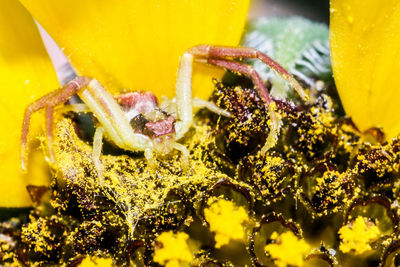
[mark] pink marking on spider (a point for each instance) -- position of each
(136, 103)
(162, 127)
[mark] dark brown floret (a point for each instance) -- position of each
(247, 130)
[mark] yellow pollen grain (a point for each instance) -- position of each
(175, 250)
(358, 236)
(93, 262)
(226, 221)
(288, 249)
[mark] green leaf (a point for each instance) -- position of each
(299, 45)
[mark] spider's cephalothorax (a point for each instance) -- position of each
(135, 122)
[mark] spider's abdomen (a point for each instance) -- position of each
(137, 103)
(144, 114)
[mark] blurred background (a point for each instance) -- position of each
(317, 10)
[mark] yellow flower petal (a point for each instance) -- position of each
(26, 74)
(365, 45)
(137, 44)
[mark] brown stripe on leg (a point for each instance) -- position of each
(49, 131)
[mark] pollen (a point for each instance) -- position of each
(357, 237)
(226, 221)
(174, 250)
(288, 249)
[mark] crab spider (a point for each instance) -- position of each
(135, 122)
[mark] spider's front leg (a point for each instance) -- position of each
(184, 100)
(48, 102)
(184, 96)
(185, 104)
(209, 52)
(224, 57)
(103, 106)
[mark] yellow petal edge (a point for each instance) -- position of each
(26, 74)
(365, 47)
(136, 45)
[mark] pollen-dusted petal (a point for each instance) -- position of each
(137, 44)
(26, 74)
(365, 47)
